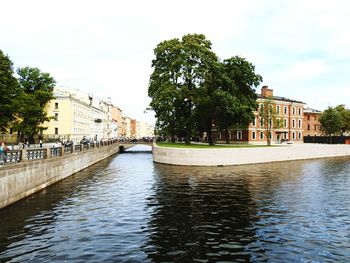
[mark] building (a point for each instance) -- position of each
(117, 121)
(133, 128)
(76, 115)
(311, 122)
(288, 115)
(144, 130)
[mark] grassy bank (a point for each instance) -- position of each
(195, 145)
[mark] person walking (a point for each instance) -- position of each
(3, 150)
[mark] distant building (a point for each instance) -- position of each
(76, 115)
(133, 128)
(289, 113)
(144, 130)
(311, 122)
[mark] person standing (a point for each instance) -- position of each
(2, 152)
(41, 143)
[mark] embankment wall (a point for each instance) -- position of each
(25, 178)
(247, 155)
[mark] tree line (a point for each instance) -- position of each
(335, 120)
(23, 96)
(192, 91)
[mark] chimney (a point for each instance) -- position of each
(266, 92)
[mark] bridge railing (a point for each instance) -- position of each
(25, 155)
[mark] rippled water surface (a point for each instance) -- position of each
(129, 209)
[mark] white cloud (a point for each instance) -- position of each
(106, 47)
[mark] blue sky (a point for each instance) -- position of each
(301, 48)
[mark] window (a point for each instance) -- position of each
(254, 122)
(253, 135)
(56, 130)
(278, 109)
(315, 118)
(285, 123)
(299, 123)
(293, 135)
(261, 122)
(315, 127)
(56, 117)
(293, 123)
(56, 105)
(299, 135)
(261, 135)
(239, 135)
(270, 135)
(299, 111)
(308, 127)
(285, 110)
(270, 122)
(308, 117)
(293, 110)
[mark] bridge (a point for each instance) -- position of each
(126, 147)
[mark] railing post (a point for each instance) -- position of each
(23, 155)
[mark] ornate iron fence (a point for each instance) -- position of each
(36, 154)
(15, 156)
(56, 151)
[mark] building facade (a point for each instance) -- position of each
(311, 122)
(286, 124)
(76, 115)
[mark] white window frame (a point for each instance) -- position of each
(239, 135)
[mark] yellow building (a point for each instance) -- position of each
(74, 116)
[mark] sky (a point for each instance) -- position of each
(105, 47)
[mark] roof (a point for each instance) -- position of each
(280, 99)
(310, 110)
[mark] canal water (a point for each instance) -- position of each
(129, 209)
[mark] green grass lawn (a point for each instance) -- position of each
(195, 145)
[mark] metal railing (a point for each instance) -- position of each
(15, 156)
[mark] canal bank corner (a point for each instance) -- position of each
(229, 156)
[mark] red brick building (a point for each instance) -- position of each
(287, 112)
(311, 123)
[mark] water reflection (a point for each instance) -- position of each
(129, 209)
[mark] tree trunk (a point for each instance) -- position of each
(227, 135)
(188, 136)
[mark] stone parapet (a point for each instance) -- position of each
(22, 179)
(248, 155)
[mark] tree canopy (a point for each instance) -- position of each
(335, 120)
(192, 91)
(8, 92)
(36, 90)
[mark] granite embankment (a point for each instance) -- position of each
(246, 155)
(26, 177)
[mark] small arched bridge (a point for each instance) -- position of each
(126, 147)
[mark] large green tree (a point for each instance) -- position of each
(36, 89)
(331, 121)
(193, 92)
(180, 68)
(237, 98)
(344, 118)
(8, 92)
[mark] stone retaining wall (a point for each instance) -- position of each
(248, 155)
(25, 178)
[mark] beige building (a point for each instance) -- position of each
(76, 115)
(144, 130)
(117, 122)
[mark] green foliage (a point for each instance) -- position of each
(192, 91)
(268, 118)
(335, 120)
(8, 92)
(36, 90)
(180, 69)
